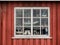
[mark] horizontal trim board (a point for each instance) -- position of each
(29, 0)
(32, 38)
(31, 7)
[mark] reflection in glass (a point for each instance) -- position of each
(44, 30)
(19, 30)
(36, 21)
(27, 22)
(27, 30)
(44, 12)
(19, 22)
(27, 12)
(36, 12)
(36, 30)
(44, 21)
(19, 13)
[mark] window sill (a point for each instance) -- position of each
(31, 37)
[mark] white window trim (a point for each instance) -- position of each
(31, 36)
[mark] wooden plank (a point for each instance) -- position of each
(28, 42)
(45, 41)
(37, 42)
(12, 19)
(42, 42)
(3, 24)
(8, 24)
(48, 42)
(31, 41)
(25, 42)
(20, 41)
(13, 4)
(14, 42)
(34, 41)
(20, 4)
(58, 24)
(0, 26)
(17, 41)
(31, 4)
(54, 23)
(12, 23)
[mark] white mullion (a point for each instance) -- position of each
(48, 21)
(23, 21)
(40, 21)
(44, 17)
(18, 17)
(14, 22)
(31, 21)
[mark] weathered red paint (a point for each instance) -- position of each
(7, 23)
(0, 24)
(58, 23)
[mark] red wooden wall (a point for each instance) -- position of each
(7, 23)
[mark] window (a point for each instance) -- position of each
(31, 22)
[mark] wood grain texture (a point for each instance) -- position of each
(31, 41)
(12, 13)
(7, 23)
(4, 24)
(58, 26)
(54, 24)
(0, 26)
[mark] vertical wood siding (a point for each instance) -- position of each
(7, 23)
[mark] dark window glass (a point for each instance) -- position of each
(44, 31)
(44, 12)
(27, 30)
(36, 13)
(19, 13)
(36, 30)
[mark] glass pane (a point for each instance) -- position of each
(27, 30)
(44, 12)
(36, 13)
(27, 12)
(19, 13)
(19, 30)
(27, 22)
(36, 30)
(44, 21)
(44, 30)
(36, 21)
(19, 22)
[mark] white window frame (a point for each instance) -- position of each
(32, 36)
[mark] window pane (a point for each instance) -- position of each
(44, 30)
(27, 12)
(19, 30)
(27, 22)
(36, 12)
(19, 22)
(44, 21)
(27, 30)
(36, 21)
(44, 12)
(19, 13)
(36, 30)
